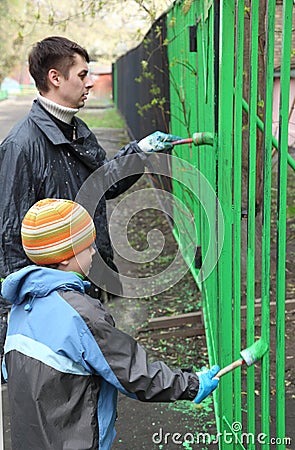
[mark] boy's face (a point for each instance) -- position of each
(81, 263)
(74, 89)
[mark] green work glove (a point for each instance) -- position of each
(157, 142)
(207, 382)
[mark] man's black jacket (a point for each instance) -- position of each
(37, 161)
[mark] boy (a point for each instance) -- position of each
(64, 358)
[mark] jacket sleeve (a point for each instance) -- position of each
(132, 373)
(124, 169)
(17, 196)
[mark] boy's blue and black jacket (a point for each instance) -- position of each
(65, 362)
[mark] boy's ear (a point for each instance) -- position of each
(54, 77)
(64, 263)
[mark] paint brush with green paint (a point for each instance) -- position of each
(249, 356)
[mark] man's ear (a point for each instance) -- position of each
(54, 77)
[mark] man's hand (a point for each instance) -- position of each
(157, 142)
(207, 383)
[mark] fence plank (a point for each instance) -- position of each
(281, 217)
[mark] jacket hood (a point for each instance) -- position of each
(34, 281)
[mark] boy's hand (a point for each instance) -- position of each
(207, 382)
(157, 142)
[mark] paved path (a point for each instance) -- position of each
(11, 111)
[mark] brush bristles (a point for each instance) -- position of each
(255, 352)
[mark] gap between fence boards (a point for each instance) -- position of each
(192, 323)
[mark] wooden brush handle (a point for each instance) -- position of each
(230, 367)
(182, 141)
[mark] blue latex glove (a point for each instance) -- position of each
(157, 142)
(207, 382)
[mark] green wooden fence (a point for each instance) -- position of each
(221, 81)
(209, 79)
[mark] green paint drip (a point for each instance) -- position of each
(191, 408)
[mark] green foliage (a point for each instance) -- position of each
(146, 42)
(99, 26)
(186, 6)
(148, 73)
(9, 39)
(172, 22)
(142, 108)
(158, 31)
(155, 91)
(290, 212)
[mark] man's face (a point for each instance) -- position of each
(74, 90)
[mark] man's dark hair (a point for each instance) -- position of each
(55, 52)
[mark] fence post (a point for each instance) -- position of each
(266, 219)
(281, 218)
(224, 192)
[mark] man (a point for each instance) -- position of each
(51, 153)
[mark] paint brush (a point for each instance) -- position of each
(249, 356)
(204, 138)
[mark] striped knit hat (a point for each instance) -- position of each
(54, 230)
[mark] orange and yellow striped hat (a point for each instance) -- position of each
(54, 230)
